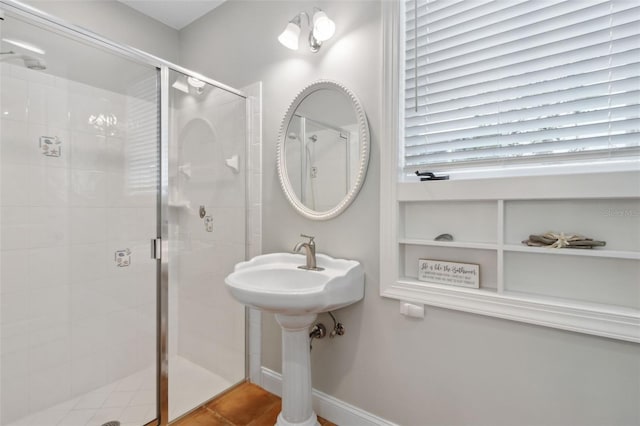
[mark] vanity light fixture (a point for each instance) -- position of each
(321, 29)
(290, 35)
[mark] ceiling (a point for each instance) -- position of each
(174, 13)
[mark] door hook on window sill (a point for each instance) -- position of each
(430, 176)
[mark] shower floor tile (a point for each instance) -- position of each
(99, 406)
(132, 400)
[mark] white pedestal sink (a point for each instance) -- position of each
(274, 283)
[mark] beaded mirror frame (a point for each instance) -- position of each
(363, 144)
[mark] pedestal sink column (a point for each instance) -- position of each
(296, 371)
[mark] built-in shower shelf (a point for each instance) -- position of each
(182, 204)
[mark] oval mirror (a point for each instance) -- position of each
(323, 150)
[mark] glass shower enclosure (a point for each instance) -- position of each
(207, 232)
(122, 208)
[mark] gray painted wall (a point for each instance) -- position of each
(117, 22)
(451, 367)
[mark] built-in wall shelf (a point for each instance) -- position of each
(595, 291)
(595, 252)
(454, 244)
(408, 281)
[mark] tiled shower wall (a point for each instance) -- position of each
(71, 319)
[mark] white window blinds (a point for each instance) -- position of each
(495, 81)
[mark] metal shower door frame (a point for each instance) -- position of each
(163, 68)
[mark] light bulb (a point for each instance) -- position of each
(290, 35)
(323, 27)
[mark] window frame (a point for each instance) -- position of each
(608, 182)
(625, 159)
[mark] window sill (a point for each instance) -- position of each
(597, 319)
(591, 185)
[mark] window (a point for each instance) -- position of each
(142, 148)
(514, 82)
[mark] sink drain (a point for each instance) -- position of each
(112, 423)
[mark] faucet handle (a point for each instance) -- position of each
(310, 237)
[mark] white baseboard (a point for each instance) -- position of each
(326, 406)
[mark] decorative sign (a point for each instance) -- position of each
(449, 273)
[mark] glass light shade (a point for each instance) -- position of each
(290, 35)
(323, 27)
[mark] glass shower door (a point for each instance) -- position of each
(207, 212)
(78, 205)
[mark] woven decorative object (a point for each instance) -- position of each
(554, 240)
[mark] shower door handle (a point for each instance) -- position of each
(156, 248)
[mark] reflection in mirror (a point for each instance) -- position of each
(323, 150)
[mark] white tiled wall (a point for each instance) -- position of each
(70, 320)
(254, 229)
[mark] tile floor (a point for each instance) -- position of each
(245, 405)
(132, 400)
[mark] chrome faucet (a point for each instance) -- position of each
(310, 250)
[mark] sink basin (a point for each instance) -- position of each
(274, 283)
